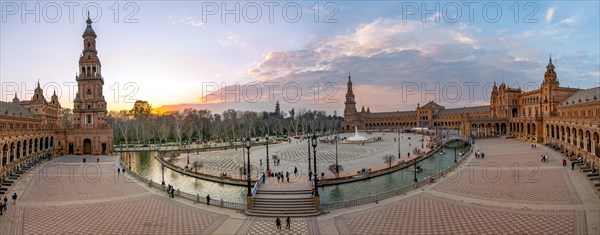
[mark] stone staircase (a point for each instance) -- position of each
(281, 200)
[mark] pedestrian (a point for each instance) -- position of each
(295, 170)
(5, 203)
(564, 162)
(1, 208)
(278, 223)
(322, 175)
(572, 165)
(118, 170)
(287, 223)
(260, 160)
(14, 197)
(208, 199)
(97, 160)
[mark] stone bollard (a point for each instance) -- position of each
(221, 203)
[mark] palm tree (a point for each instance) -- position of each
(333, 170)
(388, 159)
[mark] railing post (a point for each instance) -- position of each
(197, 198)
(221, 203)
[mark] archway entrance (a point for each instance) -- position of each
(87, 146)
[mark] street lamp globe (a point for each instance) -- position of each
(247, 143)
(314, 141)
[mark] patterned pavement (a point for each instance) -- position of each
(69, 199)
(72, 182)
(422, 214)
(508, 192)
(262, 225)
(147, 215)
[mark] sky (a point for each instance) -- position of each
(249, 55)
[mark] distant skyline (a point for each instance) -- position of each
(164, 53)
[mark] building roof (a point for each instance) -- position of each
(583, 96)
(392, 114)
(465, 110)
(13, 109)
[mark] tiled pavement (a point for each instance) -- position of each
(78, 182)
(539, 186)
(148, 215)
(527, 197)
(258, 225)
(424, 214)
(71, 198)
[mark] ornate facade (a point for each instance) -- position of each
(568, 117)
(31, 128)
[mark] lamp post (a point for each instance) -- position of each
(337, 137)
(399, 152)
(308, 143)
(314, 144)
(188, 157)
(455, 154)
(248, 173)
(243, 154)
(267, 143)
(415, 170)
(162, 167)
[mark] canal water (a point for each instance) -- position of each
(147, 166)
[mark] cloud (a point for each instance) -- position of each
(233, 40)
(568, 21)
(385, 55)
(188, 20)
(549, 14)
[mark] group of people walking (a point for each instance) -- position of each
(287, 223)
(282, 177)
(479, 154)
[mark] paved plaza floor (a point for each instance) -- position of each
(509, 191)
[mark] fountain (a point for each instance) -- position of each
(357, 137)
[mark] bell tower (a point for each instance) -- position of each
(549, 85)
(90, 106)
(350, 107)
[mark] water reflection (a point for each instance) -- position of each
(147, 166)
(389, 182)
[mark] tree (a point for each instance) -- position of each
(388, 159)
(333, 170)
(178, 119)
(121, 120)
(141, 113)
(197, 165)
